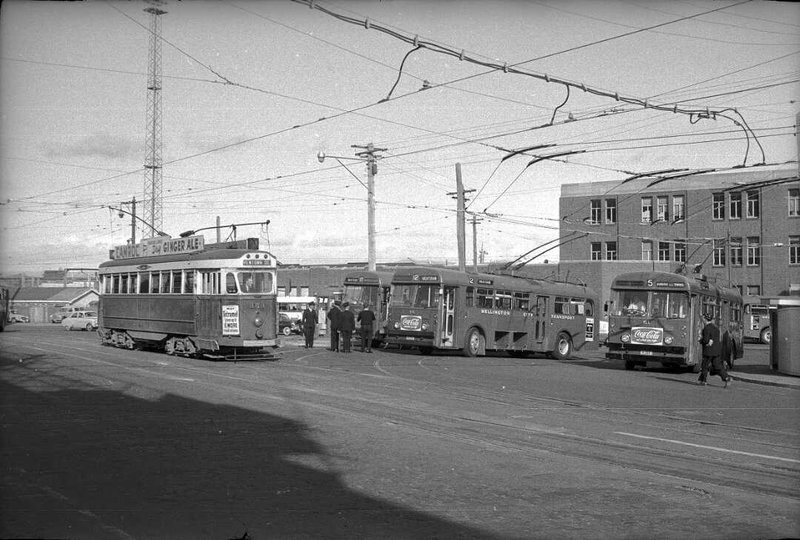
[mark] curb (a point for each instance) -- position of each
(764, 382)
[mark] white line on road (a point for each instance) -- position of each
(708, 447)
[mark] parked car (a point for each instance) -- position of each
(82, 320)
(287, 326)
(16, 317)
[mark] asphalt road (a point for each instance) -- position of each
(106, 443)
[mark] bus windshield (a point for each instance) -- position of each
(255, 282)
(415, 296)
(669, 305)
(361, 295)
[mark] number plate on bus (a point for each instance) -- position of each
(646, 353)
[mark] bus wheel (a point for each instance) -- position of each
(473, 343)
(563, 346)
(766, 336)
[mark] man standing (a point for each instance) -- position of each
(347, 325)
(712, 349)
(367, 318)
(309, 324)
(334, 316)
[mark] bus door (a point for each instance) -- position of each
(447, 316)
(694, 349)
(540, 311)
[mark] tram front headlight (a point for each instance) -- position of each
(625, 338)
(258, 321)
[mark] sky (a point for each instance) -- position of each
(253, 91)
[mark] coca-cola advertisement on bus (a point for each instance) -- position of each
(647, 336)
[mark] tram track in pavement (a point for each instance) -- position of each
(499, 433)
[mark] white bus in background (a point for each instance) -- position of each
(293, 306)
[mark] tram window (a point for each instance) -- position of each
(144, 282)
(188, 285)
(177, 280)
(155, 282)
(247, 282)
(230, 283)
(470, 300)
(134, 284)
(123, 284)
(115, 284)
(165, 281)
(264, 283)
(522, 301)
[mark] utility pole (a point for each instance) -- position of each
(132, 202)
(368, 153)
(460, 214)
(153, 208)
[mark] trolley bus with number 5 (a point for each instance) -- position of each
(657, 317)
(446, 309)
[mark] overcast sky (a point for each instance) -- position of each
(253, 91)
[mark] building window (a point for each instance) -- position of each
(718, 206)
(753, 206)
(611, 251)
(647, 209)
(794, 250)
(718, 258)
(754, 290)
(596, 211)
(736, 206)
(596, 251)
(736, 251)
(753, 251)
(680, 251)
(647, 250)
(663, 251)
(678, 208)
(611, 210)
(794, 203)
(662, 208)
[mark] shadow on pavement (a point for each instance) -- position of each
(82, 462)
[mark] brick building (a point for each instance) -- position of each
(741, 227)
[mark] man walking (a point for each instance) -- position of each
(309, 324)
(366, 318)
(334, 316)
(347, 325)
(712, 349)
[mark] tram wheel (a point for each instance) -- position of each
(563, 348)
(473, 343)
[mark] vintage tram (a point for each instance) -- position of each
(187, 298)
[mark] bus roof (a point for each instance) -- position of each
(423, 274)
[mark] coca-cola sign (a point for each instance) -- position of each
(647, 336)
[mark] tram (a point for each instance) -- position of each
(184, 297)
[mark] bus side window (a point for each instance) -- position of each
(470, 300)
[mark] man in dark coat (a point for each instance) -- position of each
(712, 350)
(334, 316)
(367, 319)
(309, 324)
(347, 325)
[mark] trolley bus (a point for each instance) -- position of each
(447, 309)
(185, 298)
(756, 320)
(363, 287)
(657, 317)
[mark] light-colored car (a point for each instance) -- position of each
(82, 320)
(16, 317)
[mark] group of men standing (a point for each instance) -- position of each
(342, 324)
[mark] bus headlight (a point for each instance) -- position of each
(397, 325)
(625, 338)
(668, 340)
(424, 326)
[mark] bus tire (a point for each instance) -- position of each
(766, 335)
(563, 348)
(473, 343)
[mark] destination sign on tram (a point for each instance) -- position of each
(160, 246)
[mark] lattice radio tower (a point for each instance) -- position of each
(153, 202)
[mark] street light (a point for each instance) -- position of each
(367, 156)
